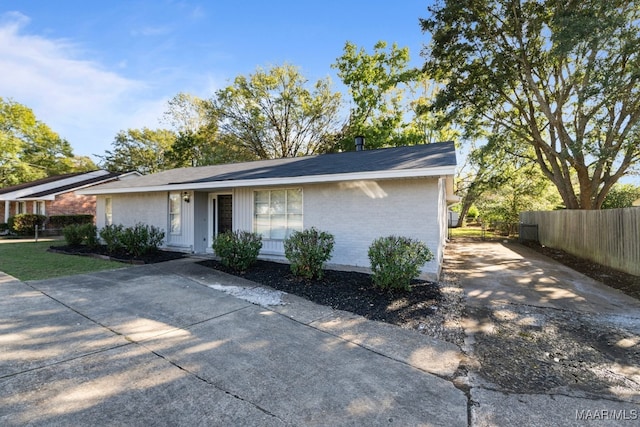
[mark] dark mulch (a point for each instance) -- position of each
(625, 282)
(349, 291)
(122, 256)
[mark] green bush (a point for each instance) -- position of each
(111, 236)
(237, 249)
(61, 221)
(4, 226)
(396, 260)
(141, 239)
(307, 251)
(137, 240)
(73, 235)
(25, 224)
(77, 234)
(90, 233)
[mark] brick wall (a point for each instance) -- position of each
(71, 204)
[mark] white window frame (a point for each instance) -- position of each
(268, 216)
(175, 213)
(36, 207)
(21, 208)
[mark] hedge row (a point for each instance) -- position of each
(395, 260)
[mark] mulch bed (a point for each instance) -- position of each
(625, 282)
(349, 291)
(101, 252)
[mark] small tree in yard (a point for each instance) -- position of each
(307, 251)
(237, 249)
(396, 260)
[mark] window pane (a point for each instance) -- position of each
(278, 226)
(261, 202)
(294, 201)
(174, 213)
(108, 211)
(294, 222)
(262, 225)
(278, 203)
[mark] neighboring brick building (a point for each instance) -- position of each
(55, 195)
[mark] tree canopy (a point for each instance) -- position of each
(272, 113)
(143, 150)
(388, 98)
(30, 149)
(561, 76)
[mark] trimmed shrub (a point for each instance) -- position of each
(26, 223)
(61, 221)
(90, 233)
(77, 234)
(4, 226)
(307, 251)
(73, 235)
(396, 260)
(137, 240)
(141, 239)
(111, 236)
(237, 249)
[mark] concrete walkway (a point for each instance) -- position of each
(167, 345)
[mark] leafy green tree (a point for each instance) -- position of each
(389, 98)
(562, 76)
(143, 150)
(30, 149)
(273, 114)
(198, 142)
(621, 196)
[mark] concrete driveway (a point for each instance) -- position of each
(531, 321)
(167, 344)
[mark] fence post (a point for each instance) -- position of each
(36, 233)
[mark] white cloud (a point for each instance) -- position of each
(76, 97)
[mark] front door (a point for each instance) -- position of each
(224, 220)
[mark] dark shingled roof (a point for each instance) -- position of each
(75, 185)
(409, 157)
(46, 180)
(387, 159)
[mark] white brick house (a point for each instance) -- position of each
(357, 196)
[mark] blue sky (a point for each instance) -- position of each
(90, 69)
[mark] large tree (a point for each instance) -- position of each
(388, 98)
(272, 113)
(198, 141)
(560, 75)
(143, 150)
(30, 150)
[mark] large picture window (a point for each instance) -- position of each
(175, 220)
(277, 213)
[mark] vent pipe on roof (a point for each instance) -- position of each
(359, 143)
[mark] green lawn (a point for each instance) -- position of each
(31, 261)
(467, 232)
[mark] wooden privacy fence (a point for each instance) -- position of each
(609, 237)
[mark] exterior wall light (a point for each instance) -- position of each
(186, 197)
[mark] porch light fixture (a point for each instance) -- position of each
(186, 197)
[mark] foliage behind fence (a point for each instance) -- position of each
(609, 237)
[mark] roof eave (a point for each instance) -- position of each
(263, 182)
